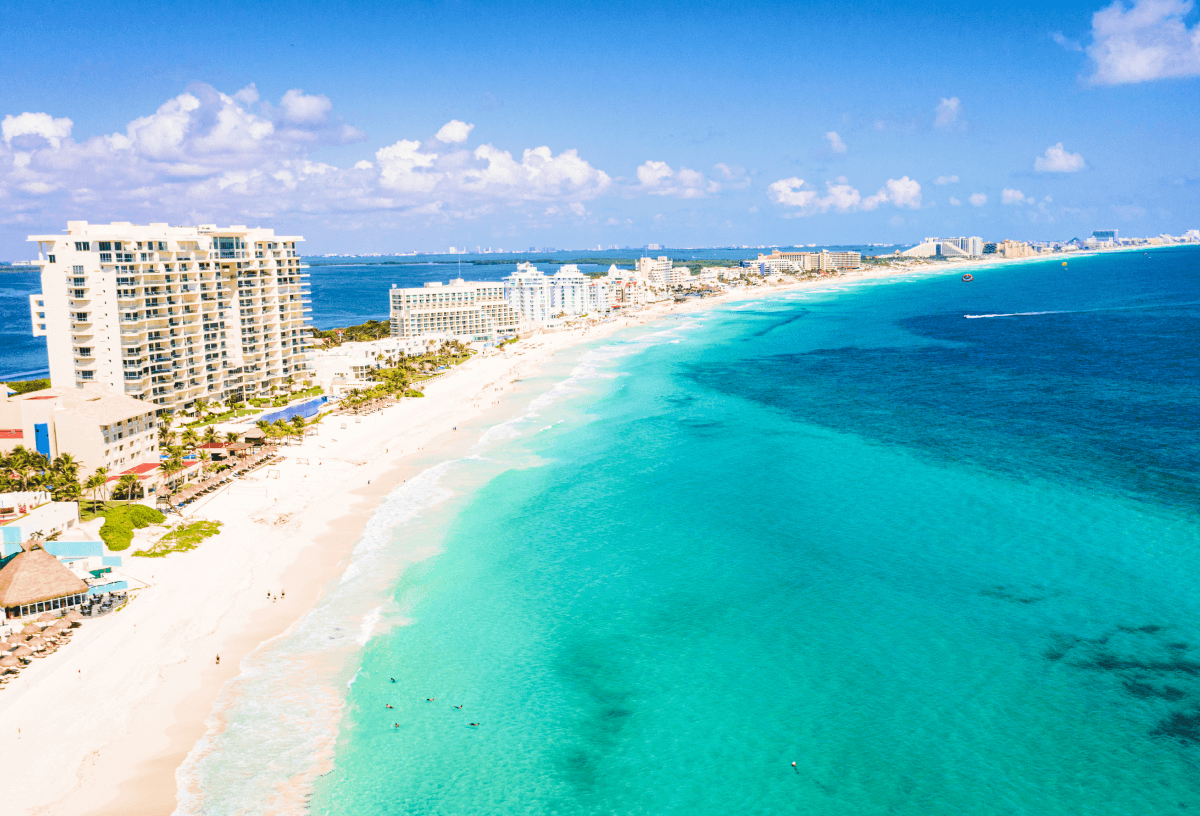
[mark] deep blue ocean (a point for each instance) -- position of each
(945, 564)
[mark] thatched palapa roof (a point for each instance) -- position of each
(35, 576)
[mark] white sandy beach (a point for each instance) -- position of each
(101, 726)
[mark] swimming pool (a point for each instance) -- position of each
(304, 409)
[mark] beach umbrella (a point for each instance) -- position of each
(46, 616)
(9, 662)
(73, 616)
(30, 629)
(36, 643)
(22, 651)
(60, 624)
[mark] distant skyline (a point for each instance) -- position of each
(378, 128)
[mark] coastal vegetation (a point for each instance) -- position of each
(400, 376)
(23, 469)
(26, 386)
(181, 539)
(122, 520)
(371, 330)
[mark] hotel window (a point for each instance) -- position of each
(83, 246)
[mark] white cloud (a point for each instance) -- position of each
(948, 111)
(43, 127)
(1011, 196)
(836, 144)
(1145, 42)
(658, 178)
(954, 202)
(788, 193)
(946, 180)
(454, 132)
(301, 108)
(1057, 160)
(208, 156)
(977, 199)
(842, 197)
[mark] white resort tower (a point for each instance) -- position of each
(171, 314)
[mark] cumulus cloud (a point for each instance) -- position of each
(658, 178)
(954, 202)
(836, 143)
(34, 129)
(1057, 160)
(840, 196)
(301, 108)
(946, 180)
(1011, 196)
(948, 111)
(1144, 42)
(454, 132)
(205, 155)
(977, 199)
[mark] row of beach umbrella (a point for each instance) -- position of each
(192, 491)
(38, 638)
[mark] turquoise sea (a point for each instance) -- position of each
(945, 564)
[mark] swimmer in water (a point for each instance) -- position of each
(429, 699)
(473, 725)
(395, 725)
(458, 706)
(387, 705)
(393, 679)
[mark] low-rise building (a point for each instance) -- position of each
(25, 515)
(342, 368)
(97, 425)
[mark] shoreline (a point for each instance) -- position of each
(134, 718)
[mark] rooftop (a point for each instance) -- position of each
(96, 402)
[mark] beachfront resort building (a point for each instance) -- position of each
(540, 298)
(655, 271)
(799, 262)
(350, 365)
(169, 314)
(98, 425)
(965, 247)
(469, 311)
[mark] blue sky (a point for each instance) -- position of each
(684, 124)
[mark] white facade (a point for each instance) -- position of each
(171, 314)
(790, 262)
(98, 426)
(528, 293)
(349, 365)
(469, 311)
(655, 271)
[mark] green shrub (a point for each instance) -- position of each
(181, 539)
(120, 522)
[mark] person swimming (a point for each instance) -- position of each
(458, 706)
(473, 725)
(387, 705)
(395, 725)
(429, 699)
(393, 679)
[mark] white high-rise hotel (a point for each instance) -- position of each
(171, 314)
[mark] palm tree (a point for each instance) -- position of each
(173, 464)
(281, 428)
(96, 482)
(298, 425)
(190, 438)
(206, 464)
(126, 486)
(210, 435)
(231, 437)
